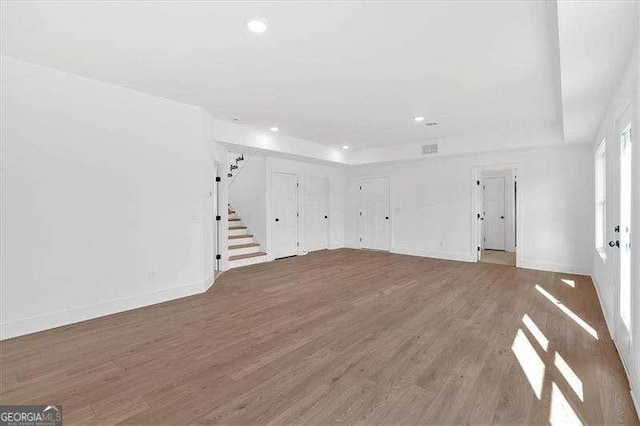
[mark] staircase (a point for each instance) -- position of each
(243, 249)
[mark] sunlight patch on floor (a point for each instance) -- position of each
(570, 376)
(561, 413)
(530, 361)
(568, 311)
(533, 328)
(570, 283)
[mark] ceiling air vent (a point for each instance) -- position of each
(430, 149)
(430, 123)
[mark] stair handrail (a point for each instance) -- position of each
(237, 171)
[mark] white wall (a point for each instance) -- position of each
(277, 143)
(432, 215)
(215, 153)
(627, 94)
(101, 186)
(337, 186)
(511, 136)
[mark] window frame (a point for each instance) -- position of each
(600, 199)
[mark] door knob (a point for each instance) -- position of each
(614, 243)
(501, 217)
(277, 220)
(326, 217)
(386, 217)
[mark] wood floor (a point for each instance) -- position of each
(338, 336)
(499, 257)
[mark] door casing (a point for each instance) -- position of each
(475, 244)
(623, 334)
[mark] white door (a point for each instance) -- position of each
(375, 213)
(621, 243)
(494, 212)
(216, 222)
(285, 215)
(480, 219)
(316, 213)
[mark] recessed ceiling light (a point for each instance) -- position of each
(257, 26)
(345, 146)
(418, 118)
(275, 129)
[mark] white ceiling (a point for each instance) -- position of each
(330, 72)
(596, 42)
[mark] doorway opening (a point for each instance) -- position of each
(497, 215)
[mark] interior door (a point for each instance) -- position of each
(316, 213)
(375, 213)
(215, 200)
(621, 243)
(494, 231)
(285, 215)
(480, 219)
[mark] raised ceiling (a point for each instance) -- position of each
(596, 43)
(331, 72)
(342, 73)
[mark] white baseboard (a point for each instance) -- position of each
(634, 381)
(603, 307)
(83, 313)
(436, 255)
(208, 283)
(635, 390)
(554, 267)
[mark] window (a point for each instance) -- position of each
(601, 198)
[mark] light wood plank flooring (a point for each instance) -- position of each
(499, 257)
(338, 336)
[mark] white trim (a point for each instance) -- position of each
(633, 382)
(83, 313)
(475, 176)
(460, 257)
(606, 314)
(247, 261)
(555, 267)
(209, 281)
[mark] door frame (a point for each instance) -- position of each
(270, 217)
(304, 211)
(216, 211)
(474, 220)
(623, 337)
(360, 218)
